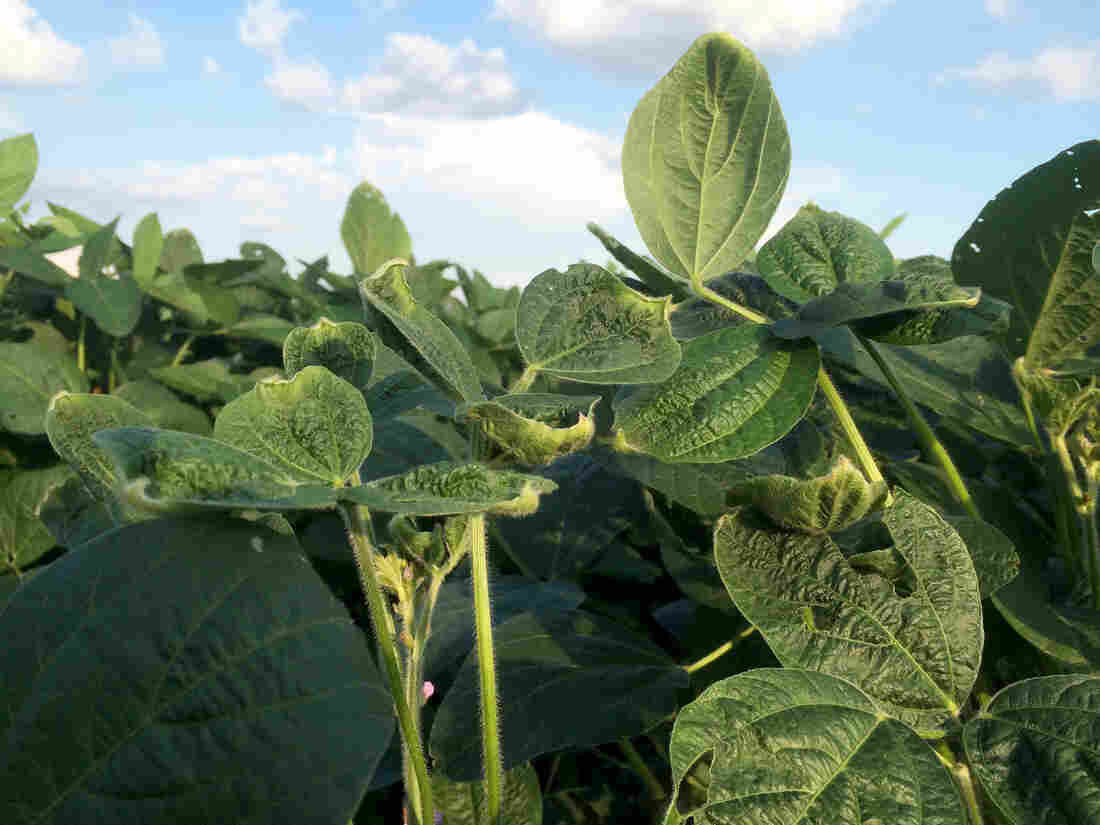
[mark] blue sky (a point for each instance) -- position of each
(495, 128)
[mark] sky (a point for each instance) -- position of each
(495, 128)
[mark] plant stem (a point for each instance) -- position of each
(720, 651)
(656, 789)
(486, 661)
(355, 518)
(182, 351)
(80, 359)
(1092, 539)
(933, 447)
(961, 772)
(525, 380)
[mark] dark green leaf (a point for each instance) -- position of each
(208, 380)
(346, 349)
(663, 283)
(148, 246)
(23, 536)
(164, 408)
(30, 376)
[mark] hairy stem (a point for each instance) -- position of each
(486, 661)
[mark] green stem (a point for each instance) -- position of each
(720, 651)
(181, 353)
(1092, 540)
(356, 518)
(483, 625)
(81, 363)
(656, 789)
(933, 447)
(525, 380)
(961, 772)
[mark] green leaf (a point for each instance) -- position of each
(1034, 749)
(168, 472)
(30, 376)
(73, 516)
(995, 560)
(578, 655)
(534, 428)
(825, 504)
(148, 246)
(417, 334)
(789, 747)
(180, 249)
(30, 262)
(698, 316)
(1030, 246)
(915, 650)
(164, 409)
(315, 426)
(208, 380)
(18, 163)
(113, 303)
(891, 225)
(736, 391)
(817, 250)
(346, 349)
(465, 803)
(208, 281)
(663, 283)
(24, 538)
(207, 674)
(586, 325)
(372, 234)
(706, 159)
(258, 326)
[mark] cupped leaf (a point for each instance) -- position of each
(465, 803)
(1030, 246)
(698, 316)
(30, 376)
(168, 472)
(24, 537)
(185, 671)
(449, 488)
(416, 334)
(148, 245)
(657, 279)
(706, 159)
(736, 391)
(825, 504)
(346, 349)
(535, 428)
(113, 303)
(372, 234)
(164, 408)
(315, 426)
(549, 666)
(1035, 749)
(817, 250)
(18, 163)
(913, 644)
(586, 325)
(790, 747)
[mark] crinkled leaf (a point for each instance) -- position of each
(916, 653)
(549, 666)
(817, 250)
(24, 538)
(315, 426)
(657, 279)
(417, 334)
(1030, 246)
(825, 504)
(30, 376)
(706, 159)
(346, 349)
(164, 408)
(185, 671)
(995, 560)
(18, 163)
(736, 391)
(586, 325)
(698, 316)
(465, 803)
(208, 380)
(793, 747)
(534, 428)
(372, 234)
(148, 246)
(1035, 749)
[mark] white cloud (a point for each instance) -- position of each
(210, 65)
(303, 83)
(1066, 72)
(140, 46)
(421, 76)
(264, 25)
(999, 8)
(33, 55)
(652, 34)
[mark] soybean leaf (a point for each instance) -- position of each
(465, 803)
(18, 163)
(698, 316)
(792, 746)
(1030, 246)
(534, 428)
(416, 334)
(995, 560)
(73, 515)
(657, 279)
(24, 538)
(372, 234)
(912, 645)
(891, 225)
(168, 472)
(817, 250)
(585, 324)
(164, 408)
(346, 349)
(208, 380)
(31, 262)
(315, 426)
(706, 159)
(1034, 749)
(241, 652)
(113, 303)
(549, 666)
(259, 326)
(148, 245)
(180, 249)
(398, 447)
(736, 391)
(30, 376)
